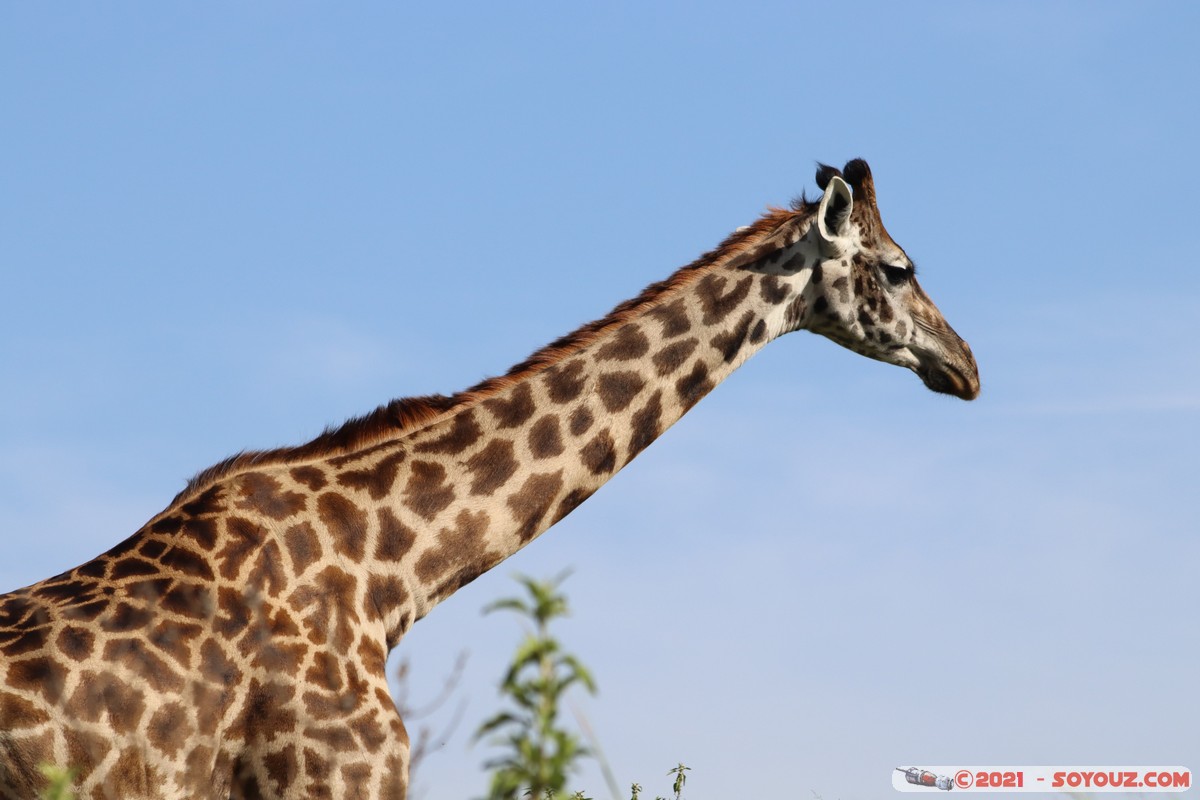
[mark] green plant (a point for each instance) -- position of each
(58, 786)
(680, 773)
(539, 754)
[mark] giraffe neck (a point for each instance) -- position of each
(389, 515)
(429, 512)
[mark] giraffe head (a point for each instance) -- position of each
(864, 295)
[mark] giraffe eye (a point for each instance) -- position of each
(897, 275)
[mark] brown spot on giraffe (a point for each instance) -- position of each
(175, 640)
(693, 386)
(730, 342)
(15, 610)
(673, 317)
(355, 774)
(618, 389)
(268, 708)
(794, 314)
(841, 285)
(17, 712)
(42, 675)
(395, 538)
(674, 356)
(310, 476)
(338, 463)
(564, 383)
(153, 548)
(29, 641)
(210, 501)
(377, 480)
(168, 524)
(545, 437)
(325, 706)
(464, 431)
(467, 536)
(303, 546)
(189, 600)
(366, 730)
(531, 502)
(513, 410)
(716, 302)
(325, 671)
(57, 592)
(96, 568)
(316, 765)
(235, 612)
(581, 421)
(599, 455)
(169, 728)
(137, 778)
(265, 494)
(492, 466)
(758, 332)
(101, 694)
(199, 531)
(243, 538)
(327, 607)
(570, 502)
(282, 766)
(124, 617)
(646, 424)
(334, 737)
(84, 747)
(267, 572)
(774, 290)
(427, 491)
(628, 344)
(796, 262)
(76, 642)
(386, 591)
(184, 562)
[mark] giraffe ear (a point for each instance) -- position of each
(833, 215)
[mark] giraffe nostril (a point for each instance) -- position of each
(947, 377)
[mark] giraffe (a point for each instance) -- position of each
(235, 646)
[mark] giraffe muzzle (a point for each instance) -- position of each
(951, 371)
(952, 382)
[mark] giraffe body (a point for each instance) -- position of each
(236, 645)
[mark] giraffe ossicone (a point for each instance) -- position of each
(235, 646)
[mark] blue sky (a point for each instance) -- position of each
(225, 226)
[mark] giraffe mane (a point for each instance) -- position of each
(408, 414)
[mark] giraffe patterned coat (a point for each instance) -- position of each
(235, 646)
